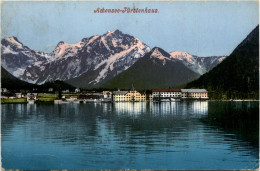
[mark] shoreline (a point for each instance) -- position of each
(42, 102)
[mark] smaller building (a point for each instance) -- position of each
(107, 94)
(4, 90)
(18, 95)
(77, 90)
(194, 94)
(150, 97)
(66, 91)
(50, 90)
(31, 96)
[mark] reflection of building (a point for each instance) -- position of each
(166, 93)
(194, 94)
(129, 107)
(127, 96)
(200, 107)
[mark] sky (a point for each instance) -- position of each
(199, 28)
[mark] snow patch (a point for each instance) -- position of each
(28, 74)
(91, 40)
(183, 56)
(61, 50)
(43, 80)
(116, 57)
(8, 50)
(105, 43)
(110, 32)
(19, 72)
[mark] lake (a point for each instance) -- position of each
(125, 135)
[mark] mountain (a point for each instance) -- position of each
(98, 57)
(201, 65)
(12, 83)
(155, 70)
(56, 85)
(89, 63)
(15, 57)
(238, 75)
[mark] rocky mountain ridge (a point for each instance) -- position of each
(92, 61)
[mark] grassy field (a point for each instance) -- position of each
(50, 97)
(18, 100)
(42, 97)
(69, 95)
(46, 97)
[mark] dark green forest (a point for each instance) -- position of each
(14, 84)
(237, 77)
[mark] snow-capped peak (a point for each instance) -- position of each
(180, 55)
(102, 56)
(159, 54)
(62, 48)
(14, 41)
(109, 33)
(196, 64)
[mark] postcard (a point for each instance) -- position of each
(143, 85)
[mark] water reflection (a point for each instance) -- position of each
(167, 135)
(197, 108)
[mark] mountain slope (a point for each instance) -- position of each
(200, 65)
(238, 75)
(89, 63)
(154, 70)
(97, 56)
(15, 57)
(12, 83)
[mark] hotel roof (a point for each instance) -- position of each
(166, 90)
(194, 90)
(119, 92)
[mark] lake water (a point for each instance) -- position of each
(141, 135)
